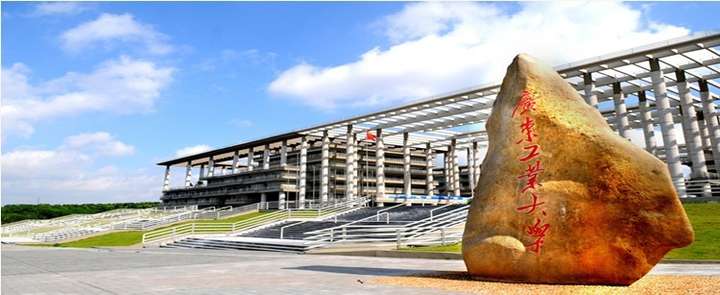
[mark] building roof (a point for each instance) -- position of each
(461, 115)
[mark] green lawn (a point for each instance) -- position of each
(114, 239)
(705, 219)
(129, 238)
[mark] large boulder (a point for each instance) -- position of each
(562, 198)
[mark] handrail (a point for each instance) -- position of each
(320, 232)
(282, 229)
(438, 208)
(387, 209)
(441, 214)
(454, 216)
(280, 215)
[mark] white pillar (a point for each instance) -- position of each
(211, 167)
(704, 132)
(281, 200)
(476, 168)
(456, 169)
(380, 169)
(325, 168)
(202, 172)
(236, 162)
(263, 199)
(188, 174)
(621, 116)
(711, 121)
(664, 112)
(350, 165)
(429, 181)
(166, 181)
(251, 159)
(647, 124)
(693, 140)
(266, 157)
(471, 170)
(283, 154)
(356, 167)
(590, 96)
(407, 177)
(303, 173)
(447, 167)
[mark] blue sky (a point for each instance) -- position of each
(95, 93)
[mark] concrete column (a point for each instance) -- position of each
(202, 172)
(407, 177)
(281, 200)
(380, 168)
(704, 132)
(447, 166)
(476, 156)
(211, 167)
(350, 165)
(455, 169)
(647, 123)
(236, 162)
(251, 159)
(621, 116)
(302, 185)
(711, 122)
(263, 199)
(283, 154)
(693, 140)
(471, 169)
(665, 117)
(590, 96)
(356, 167)
(429, 181)
(325, 168)
(188, 174)
(266, 157)
(166, 181)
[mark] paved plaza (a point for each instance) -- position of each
(37, 270)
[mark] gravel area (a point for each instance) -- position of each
(650, 284)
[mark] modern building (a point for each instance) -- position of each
(666, 91)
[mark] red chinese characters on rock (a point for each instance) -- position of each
(530, 177)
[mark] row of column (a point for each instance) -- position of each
(211, 169)
(451, 160)
(451, 166)
(700, 129)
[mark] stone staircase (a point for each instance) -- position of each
(241, 243)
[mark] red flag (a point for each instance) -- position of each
(371, 137)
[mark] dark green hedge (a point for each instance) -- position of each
(12, 213)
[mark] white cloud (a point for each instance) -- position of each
(191, 150)
(101, 143)
(59, 8)
(110, 28)
(121, 86)
(441, 47)
(70, 173)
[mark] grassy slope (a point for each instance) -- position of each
(705, 219)
(129, 238)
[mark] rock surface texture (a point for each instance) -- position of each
(562, 198)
